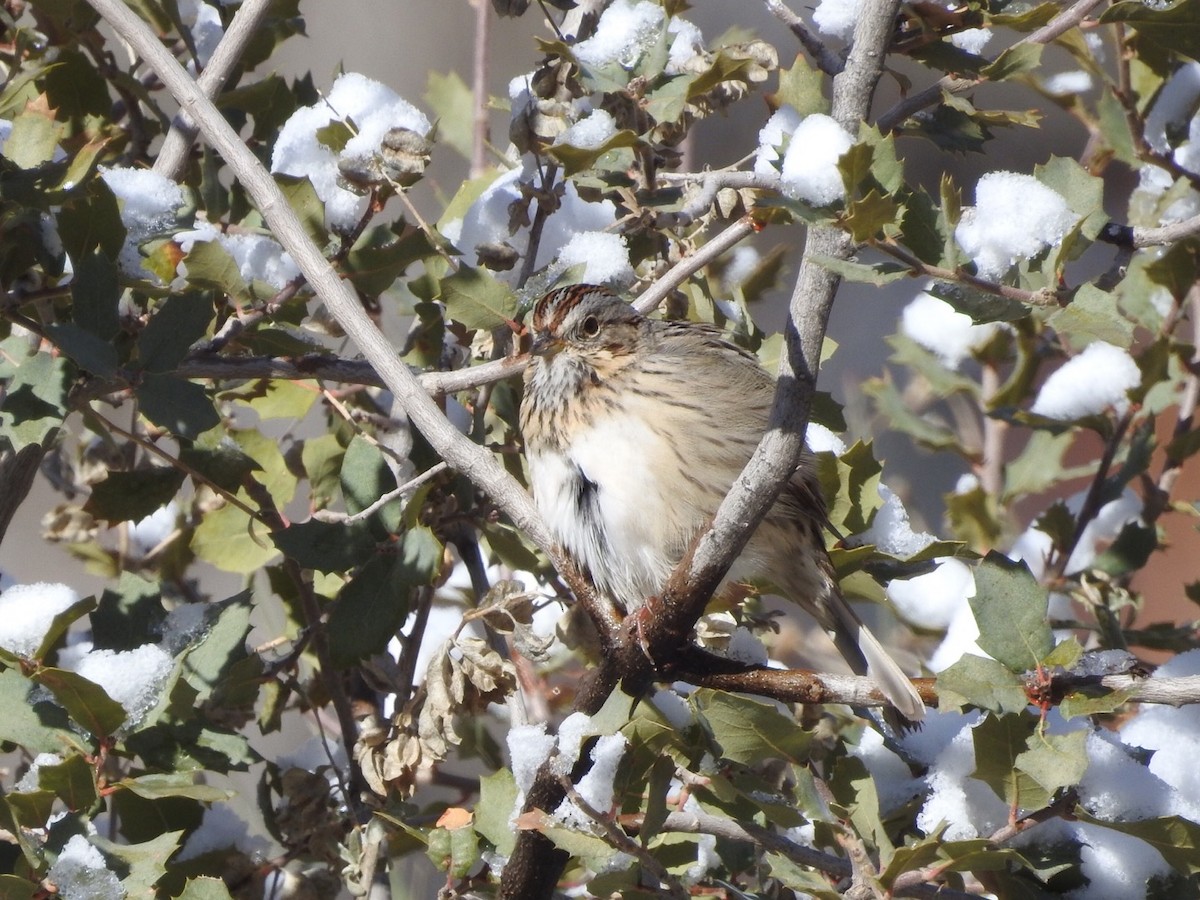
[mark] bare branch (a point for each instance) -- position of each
(827, 61)
(689, 265)
(711, 184)
(172, 157)
(326, 515)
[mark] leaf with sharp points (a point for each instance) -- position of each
(130, 496)
(326, 546)
(181, 321)
(86, 702)
(375, 602)
(982, 683)
(802, 88)
(1175, 26)
(87, 351)
(229, 540)
(204, 889)
(40, 727)
(73, 781)
(1092, 315)
(181, 407)
(210, 265)
(1010, 608)
(1054, 760)
(477, 300)
(155, 787)
(146, 861)
(1013, 61)
(747, 729)
(35, 402)
(999, 742)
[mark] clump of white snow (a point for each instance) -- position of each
(967, 806)
(1014, 217)
(1118, 788)
(30, 781)
(1117, 866)
(591, 132)
(1061, 84)
(1171, 733)
(820, 439)
(148, 203)
(26, 611)
(204, 21)
(837, 17)
(374, 110)
(810, 171)
(220, 829)
(528, 747)
(624, 32)
(687, 43)
(933, 600)
(942, 330)
(604, 255)
(487, 219)
(80, 873)
(973, 40)
(595, 787)
(891, 530)
(894, 782)
(134, 678)
(772, 137)
(148, 533)
(258, 257)
(1096, 380)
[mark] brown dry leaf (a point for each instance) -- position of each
(455, 817)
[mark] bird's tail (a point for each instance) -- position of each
(867, 656)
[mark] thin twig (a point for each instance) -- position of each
(827, 61)
(479, 87)
(666, 883)
(176, 463)
(329, 515)
(172, 156)
(919, 268)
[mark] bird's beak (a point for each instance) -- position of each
(545, 344)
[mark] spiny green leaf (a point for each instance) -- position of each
(982, 683)
(802, 88)
(374, 603)
(477, 300)
(181, 407)
(1092, 315)
(130, 496)
(181, 321)
(1010, 608)
(1173, 27)
(85, 702)
(40, 727)
(747, 729)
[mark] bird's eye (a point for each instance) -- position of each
(590, 327)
